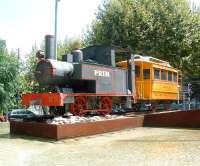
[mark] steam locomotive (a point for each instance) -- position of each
(87, 80)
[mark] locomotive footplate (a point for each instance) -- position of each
(78, 101)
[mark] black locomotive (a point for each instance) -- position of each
(86, 80)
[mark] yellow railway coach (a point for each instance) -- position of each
(155, 79)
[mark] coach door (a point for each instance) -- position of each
(146, 83)
(138, 80)
(142, 79)
(146, 80)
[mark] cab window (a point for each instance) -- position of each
(163, 75)
(137, 71)
(146, 73)
(174, 77)
(156, 73)
(169, 76)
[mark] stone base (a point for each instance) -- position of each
(189, 119)
(72, 130)
(163, 119)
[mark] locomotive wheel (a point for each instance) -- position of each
(78, 106)
(106, 103)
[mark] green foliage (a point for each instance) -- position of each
(31, 84)
(68, 45)
(2, 98)
(166, 29)
(9, 71)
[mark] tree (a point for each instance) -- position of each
(68, 45)
(31, 84)
(165, 29)
(9, 70)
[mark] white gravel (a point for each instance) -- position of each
(78, 119)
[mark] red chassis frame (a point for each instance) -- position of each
(80, 105)
(57, 99)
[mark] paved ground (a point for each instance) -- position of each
(139, 146)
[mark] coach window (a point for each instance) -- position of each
(156, 74)
(175, 77)
(137, 71)
(163, 75)
(146, 73)
(169, 76)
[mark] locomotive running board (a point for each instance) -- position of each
(57, 99)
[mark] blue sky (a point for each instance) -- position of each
(26, 22)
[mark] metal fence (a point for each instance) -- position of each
(185, 106)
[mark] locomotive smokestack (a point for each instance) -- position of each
(49, 47)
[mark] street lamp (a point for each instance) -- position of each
(55, 32)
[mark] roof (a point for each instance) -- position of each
(152, 59)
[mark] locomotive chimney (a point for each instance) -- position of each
(49, 47)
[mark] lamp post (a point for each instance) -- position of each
(55, 28)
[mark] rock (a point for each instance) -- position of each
(78, 119)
